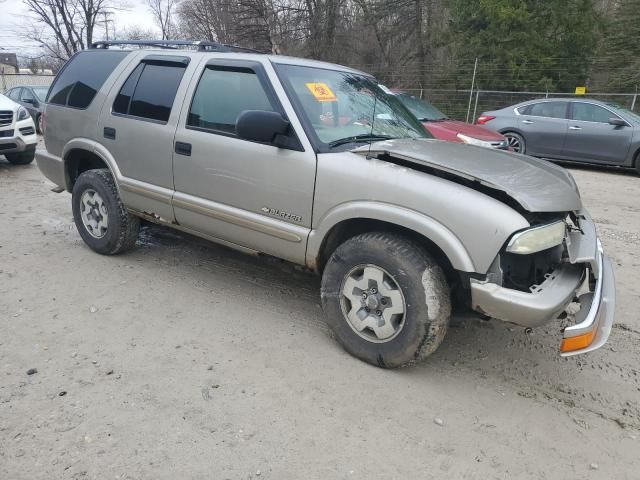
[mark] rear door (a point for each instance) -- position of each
(251, 194)
(592, 138)
(137, 126)
(544, 125)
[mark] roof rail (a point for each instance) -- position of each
(202, 45)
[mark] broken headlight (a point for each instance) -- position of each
(537, 239)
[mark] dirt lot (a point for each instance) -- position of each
(183, 359)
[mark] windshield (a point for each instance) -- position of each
(423, 110)
(41, 92)
(625, 111)
(340, 106)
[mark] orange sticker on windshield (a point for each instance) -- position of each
(321, 92)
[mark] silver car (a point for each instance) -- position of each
(570, 129)
(319, 165)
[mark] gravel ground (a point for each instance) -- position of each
(183, 359)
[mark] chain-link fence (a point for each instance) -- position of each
(468, 105)
(11, 80)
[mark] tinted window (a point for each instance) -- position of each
(150, 90)
(122, 101)
(26, 94)
(222, 95)
(422, 109)
(82, 77)
(549, 109)
(587, 112)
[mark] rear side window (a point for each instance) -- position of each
(548, 109)
(150, 90)
(222, 95)
(82, 77)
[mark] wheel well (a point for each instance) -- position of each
(78, 161)
(347, 229)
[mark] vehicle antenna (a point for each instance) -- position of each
(373, 119)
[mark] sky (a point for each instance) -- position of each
(13, 18)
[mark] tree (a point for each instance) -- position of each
(64, 27)
(618, 57)
(163, 12)
(526, 44)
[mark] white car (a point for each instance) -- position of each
(17, 132)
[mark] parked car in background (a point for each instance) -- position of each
(445, 128)
(17, 132)
(570, 129)
(31, 98)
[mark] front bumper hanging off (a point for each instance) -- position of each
(594, 320)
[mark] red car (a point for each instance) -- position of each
(444, 128)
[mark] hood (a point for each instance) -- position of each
(449, 129)
(7, 104)
(537, 185)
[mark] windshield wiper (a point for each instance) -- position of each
(358, 138)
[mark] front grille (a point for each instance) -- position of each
(7, 146)
(27, 131)
(6, 117)
(6, 133)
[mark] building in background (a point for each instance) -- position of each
(8, 62)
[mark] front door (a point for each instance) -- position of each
(251, 194)
(592, 138)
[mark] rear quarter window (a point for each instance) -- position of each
(81, 78)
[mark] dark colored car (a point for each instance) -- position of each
(31, 98)
(445, 128)
(570, 129)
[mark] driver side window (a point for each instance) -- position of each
(222, 95)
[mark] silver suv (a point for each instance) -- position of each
(319, 165)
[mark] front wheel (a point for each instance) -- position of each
(101, 219)
(386, 299)
(516, 142)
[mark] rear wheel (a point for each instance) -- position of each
(22, 158)
(101, 219)
(516, 142)
(386, 299)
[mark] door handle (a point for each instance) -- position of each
(182, 148)
(573, 127)
(527, 122)
(110, 133)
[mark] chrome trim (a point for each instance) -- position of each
(589, 320)
(599, 318)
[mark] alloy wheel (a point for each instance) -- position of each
(372, 303)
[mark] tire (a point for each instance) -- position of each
(515, 139)
(120, 230)
(22, 158)
(419, 330)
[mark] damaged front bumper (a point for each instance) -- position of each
(586, 275)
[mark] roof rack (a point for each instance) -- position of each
(202, 45)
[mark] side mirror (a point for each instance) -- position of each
(262, 126)
(618, 122)
(32, 101)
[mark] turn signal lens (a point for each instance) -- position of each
(571, 344)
